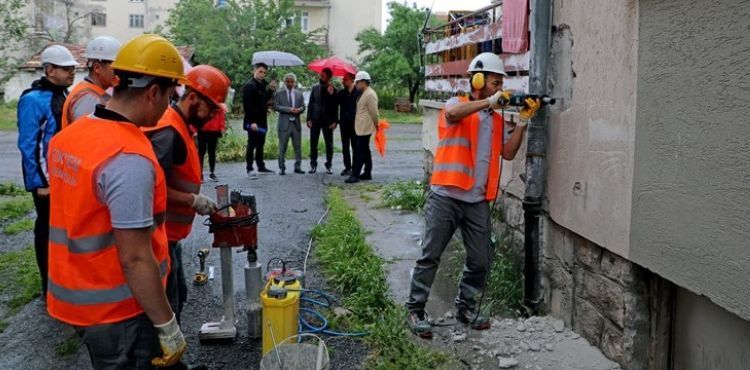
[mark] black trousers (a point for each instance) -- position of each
(314, 138)
(362, 156)
(176, 285)
(207, 144)
(255, 143)
(129, 344)
(347, 143)
(41, 237)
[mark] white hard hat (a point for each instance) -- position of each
(58, 55)
(362, 75)
(103, 48)
(487, 62)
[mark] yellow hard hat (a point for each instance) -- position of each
(151, 55)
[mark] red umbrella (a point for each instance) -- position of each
(338, 66)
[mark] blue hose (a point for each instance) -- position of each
(306, 327)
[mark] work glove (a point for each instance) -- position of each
(529, 110)
(172, 343)
(499, 99)
(204, 205)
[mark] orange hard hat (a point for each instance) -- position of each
(210, 82)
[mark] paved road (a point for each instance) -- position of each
(289, 207)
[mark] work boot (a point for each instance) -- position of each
(418, 324)
(474, 319)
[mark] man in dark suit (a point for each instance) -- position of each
(290, 104)
(322, 116)
(255, 98)
(347, 100)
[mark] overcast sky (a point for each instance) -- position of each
(440, 6)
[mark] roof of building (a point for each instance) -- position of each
(78, 52)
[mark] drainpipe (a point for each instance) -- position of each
(536, 161)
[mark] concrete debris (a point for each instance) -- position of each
(521, 327)
(458, 337)
(516, 349)
(507, 362)
(558, 325)
(535, 346)
(548, 347)
(341, 312)
(524, 346)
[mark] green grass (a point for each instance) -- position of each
(15, 207)
(8, 116)
(397, 117)
(19, 226)
(406, 195)
(233, 144)
(20, 277)
(11, 189)
(360, 279)
(68, 347)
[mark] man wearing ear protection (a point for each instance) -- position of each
(465, 178)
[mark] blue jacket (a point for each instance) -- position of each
(39, 114)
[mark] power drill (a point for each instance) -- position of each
(519, 99)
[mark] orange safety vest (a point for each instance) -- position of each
(86, 283)
(185, 177)
(79, 90)
(456, 152)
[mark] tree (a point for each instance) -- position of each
(71, 18)
(227, 36)
(12, 33)
(394, 57)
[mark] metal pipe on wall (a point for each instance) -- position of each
(536, 161)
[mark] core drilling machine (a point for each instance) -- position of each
(236, 225)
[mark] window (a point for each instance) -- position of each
(98, 19)
(136, 1)
(305, 21)
(136, 21)
(289, 22)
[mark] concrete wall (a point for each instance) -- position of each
(592, 131)
(690, 194)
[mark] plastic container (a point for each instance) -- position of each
(280, 300)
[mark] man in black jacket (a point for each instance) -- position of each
(347, 100)
(322, 115)
(255, 98)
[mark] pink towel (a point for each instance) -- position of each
(515, 26)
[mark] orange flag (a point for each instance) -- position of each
(380, 139)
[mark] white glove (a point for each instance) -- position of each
(204, 205)
(499, 99)
(172, 343)
(522, 122)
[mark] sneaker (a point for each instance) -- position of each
(252, 175)
(474, 319)
(282, 172)
(418, 324)
(297, 170)
(265, 170)
(351, 180)
(213, 178)
(346, 172)
(313, 169)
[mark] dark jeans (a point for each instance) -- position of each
(130, 344)
(443, 215)
(176, 286)
(207, 144)
(314, 138)
(347, 142)
(255, 143)
(362, 156)
(41, 237)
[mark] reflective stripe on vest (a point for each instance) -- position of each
(97, 296)
(185, 177)
(79, 90)
(455, 155)
(87, 284)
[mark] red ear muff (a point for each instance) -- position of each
(477, 81)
